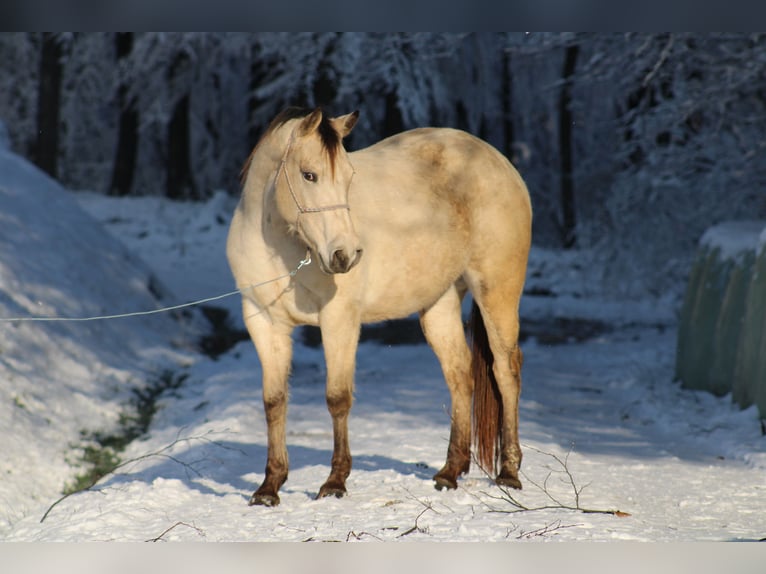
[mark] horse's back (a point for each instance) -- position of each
(446, 180)
(444, 163)
(429, 204)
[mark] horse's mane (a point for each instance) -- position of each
(331, 140)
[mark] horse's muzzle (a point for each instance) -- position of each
(343, 262)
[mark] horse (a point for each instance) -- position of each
(407, 225)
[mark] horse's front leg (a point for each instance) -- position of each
(340, 338)
(274, 346)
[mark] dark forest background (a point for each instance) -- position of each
(632, 144)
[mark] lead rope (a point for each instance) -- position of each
(303, 263)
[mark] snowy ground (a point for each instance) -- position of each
(678, 465)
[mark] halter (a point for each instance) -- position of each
(301, 208)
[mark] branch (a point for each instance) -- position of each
(547, 529)
(417, 528)
(359, 536)
(508, 497)
(662, 59)
(427, 506)
(199, 531)
(159, 453)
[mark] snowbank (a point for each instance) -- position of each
(58, 379)
(719, 338)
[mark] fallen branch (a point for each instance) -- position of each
(508, 495)
(359, 536)
(161, 453)
(416, 527)
(199, 531)
(545, 530)
(428, 506)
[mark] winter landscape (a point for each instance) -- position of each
(614, 448)
(128, 417)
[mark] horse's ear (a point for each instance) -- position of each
(344, 124)
(311, 122)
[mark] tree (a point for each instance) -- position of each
(124, 166)
(682, 145)
(656, 136)
(568, 220)
(46, 147)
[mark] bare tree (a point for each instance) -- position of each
(568, 219)
(124, 166)
(46, 148)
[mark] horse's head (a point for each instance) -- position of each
(312, 187)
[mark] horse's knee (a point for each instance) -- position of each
(339, 404)
(275, 406)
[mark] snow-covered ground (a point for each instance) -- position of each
(58, 379)
(603, 425)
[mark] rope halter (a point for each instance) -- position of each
(301, 208)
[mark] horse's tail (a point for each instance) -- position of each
(487, 408)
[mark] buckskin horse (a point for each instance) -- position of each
(407, 225)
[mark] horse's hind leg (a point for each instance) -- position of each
(499, 304)
(274, 347)
(443, 328)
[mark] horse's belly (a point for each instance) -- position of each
(406, 286)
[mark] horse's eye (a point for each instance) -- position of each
(309, 176)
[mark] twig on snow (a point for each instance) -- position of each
(416, 527)
(161, 453)
(359, 536)
(199, 531)
(545, 530)
(427, 506)
(509, 497)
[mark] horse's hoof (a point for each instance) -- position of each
(336, 491)
(443, 482)
(508, 480)
(259, 499)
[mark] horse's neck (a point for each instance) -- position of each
(263, 218)
(258, 192)
(263, 169)
(265, 163)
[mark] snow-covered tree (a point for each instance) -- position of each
(19, 62)
(682, 148)
(190, 91)
(631, 144)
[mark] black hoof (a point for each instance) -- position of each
(336, 491)
(509, 481)
(259, 499)
(444, 482)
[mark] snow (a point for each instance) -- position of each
(58, 379)
(733, 238)
(683, 465)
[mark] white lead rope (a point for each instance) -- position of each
(304, 262)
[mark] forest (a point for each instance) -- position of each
(631, 144)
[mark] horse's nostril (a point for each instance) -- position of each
(343, 262)
(339, 261)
